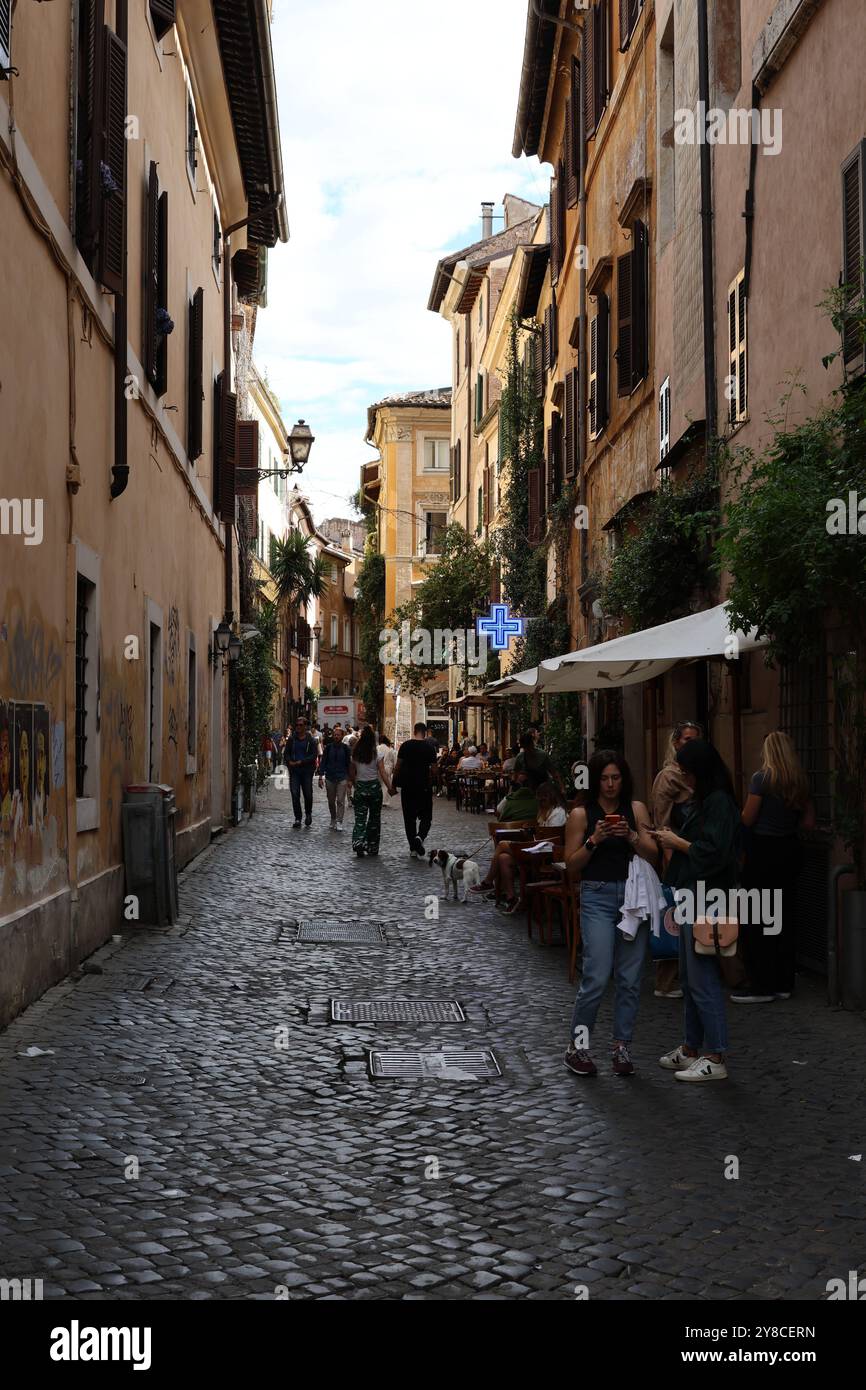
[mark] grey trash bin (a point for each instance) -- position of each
(149, 836)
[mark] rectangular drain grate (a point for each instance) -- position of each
(320, 930)
(452, 1064)
(397, 1011)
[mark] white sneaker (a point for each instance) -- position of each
(676, 1060)
(668, 993)
(338, 826)
(752, 998)
(702, 1069)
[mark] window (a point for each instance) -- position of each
(157, 321)
(334, 632)
(456, 479)
(195, 369)
(479, 399)
(216, 253)
(557, 222)
(457, 350)
(191, 138)
(100, 143)
(345, 687)
(596, 30)
(5, 33)
(154, 712)
(162, 12)
(854, 252)
(628, 17)
(481, 311)
(225, 437)
(434, 530)
(357, 636)
(572, 137)
(599, 349)
(632, 316)
(664, 419)
(572, 422)
(436, 456)
(535, 485)
(736, 389)
(191, 703)
(347, 637)
(554, 459)
(479, 514)
(84, 596)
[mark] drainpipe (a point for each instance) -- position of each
(839, 871)
(749, 210)
(120, 467)
(707, 231)
(581, 359)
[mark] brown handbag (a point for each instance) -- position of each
(716, 936)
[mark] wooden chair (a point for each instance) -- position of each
(568, 896)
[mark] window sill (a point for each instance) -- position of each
(86, 814)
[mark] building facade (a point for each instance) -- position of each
(142, 135)
(409, 486)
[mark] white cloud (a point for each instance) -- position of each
(397, 121)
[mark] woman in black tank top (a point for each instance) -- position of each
(601, 840)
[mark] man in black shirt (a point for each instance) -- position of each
(412, 776)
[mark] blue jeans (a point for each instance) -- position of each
(706, 1022)
(301, 780)
(606, 951)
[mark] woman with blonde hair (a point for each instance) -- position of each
(777, 808)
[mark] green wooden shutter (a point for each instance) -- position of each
(196, 367)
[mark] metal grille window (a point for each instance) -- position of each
(82, 614)
(737, 371)
(664, 419)
(216, 253)
(5, 33)
(804, 713)
(191, 703)
(191, 136)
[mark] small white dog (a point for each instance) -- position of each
(455, 870)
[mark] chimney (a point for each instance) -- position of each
(486, 220)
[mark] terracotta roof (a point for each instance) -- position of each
(479, 255)
(438, 399)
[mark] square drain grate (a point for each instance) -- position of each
(397, 1011)
(451, 1064)
(314, 929)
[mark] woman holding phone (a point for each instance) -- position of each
(600, 840)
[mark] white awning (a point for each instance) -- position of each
(640, 656)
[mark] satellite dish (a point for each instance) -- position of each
(597, 610)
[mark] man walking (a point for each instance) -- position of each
(412, 775)
(334, 776)
(302, 754)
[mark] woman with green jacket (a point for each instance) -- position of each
(705, 857)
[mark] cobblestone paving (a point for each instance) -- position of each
(265, 1167)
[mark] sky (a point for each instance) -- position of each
(397, 122)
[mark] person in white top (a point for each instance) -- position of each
(387, 756)
(470, 762)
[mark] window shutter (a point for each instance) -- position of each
(640, 306)
(488, 501)
(495, 585)
(112, 142)
(554, 331)
(162, 12)
(196, 391)
(571, 422)
(5, 33)
(89, 212)
(545, 343)
(624, 302)
(737, 351)
(161, 383)
(601, 16)
(451, 474)
(533, 480)
(467, 336)
(247, 464)
(602, 361)
(590, 66)
(458, 484)
(853, 248)
(628, 16)
(228, 422)
(742, 402)
(151, 276)
(570, 152)
(593, 377)
(554, 231)
(576, 144)
(556, 456)
(538, 365)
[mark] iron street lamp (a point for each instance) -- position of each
(235, 645)
(220, 644)
(299, 444)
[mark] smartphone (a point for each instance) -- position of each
(613, 820)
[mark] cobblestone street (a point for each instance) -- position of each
(263, 1167)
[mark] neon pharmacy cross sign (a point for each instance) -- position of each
(499, 627)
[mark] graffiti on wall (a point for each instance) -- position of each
(33, 661)
(172, 644)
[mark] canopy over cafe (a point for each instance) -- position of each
(637, 687)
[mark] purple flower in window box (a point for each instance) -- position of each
(164, 322)
(109, 187)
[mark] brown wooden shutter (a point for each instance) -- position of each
(554, 331)
(89, 209)
(112, 234)
(538, 364)
(624, 305)
(853, 249)
(570, 153)
(151, 276)
(601, 32)
(576, 142)
(545, 343)
(640, 304)
(196, 367)
(598, 366)
(458, 480)
(488, 499)
(162, 12)
(533, 479)
(161, 383)
(589, 62)
(628, 16)
(555, 248)
(495, 585)
(556, 455)
(572, 422)
(227, 451)
(246, 470)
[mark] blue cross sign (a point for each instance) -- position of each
(499, 627)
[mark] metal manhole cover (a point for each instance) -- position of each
(123, 1078)
(397, 1011)
(314, 930)
(452, 1064)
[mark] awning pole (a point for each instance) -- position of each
(734, 681)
